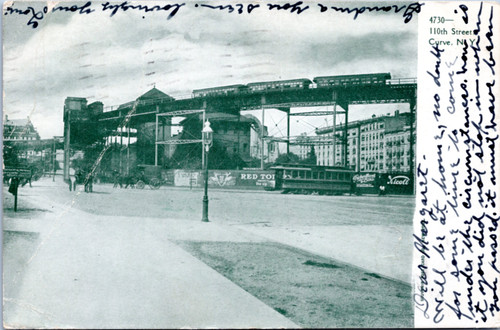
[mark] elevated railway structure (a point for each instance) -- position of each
(338, 91)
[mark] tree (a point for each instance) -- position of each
(290, 158)
(10, 156)
(311, 157)
(91, 157)
(188, 156)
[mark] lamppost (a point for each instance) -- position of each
(67, 131)
(53, 158)
(207, 139)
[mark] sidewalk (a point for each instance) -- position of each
(117, 272)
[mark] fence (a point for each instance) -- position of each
(244, 179)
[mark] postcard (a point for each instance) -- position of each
(250, 164)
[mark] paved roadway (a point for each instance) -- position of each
(371, 232)
(82, 246)
(238, 207)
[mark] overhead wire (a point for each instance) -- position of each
(276, 126)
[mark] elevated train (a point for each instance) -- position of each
(296, 84)
(352, 80)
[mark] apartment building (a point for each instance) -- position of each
(378, 144)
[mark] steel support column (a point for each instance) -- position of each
(262, 140)
(413, 103)
(156, 135)
(358, 150)
(156, 140)
(128, 149)
(67, 133)
(346, 127)
(344, 104)
(238, 130)
(202, 146)
(121, 147)
(334, 137)
(287, 132)
(53, 159)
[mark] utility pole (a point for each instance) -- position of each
(262, 140)
(334, 141)
(53, 159)
(67, 133)
(128, 148)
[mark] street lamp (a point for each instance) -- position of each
(207, 139)
(53, 158)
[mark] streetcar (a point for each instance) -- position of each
(308, 179)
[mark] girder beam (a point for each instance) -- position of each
(316, 113)
(185, 141)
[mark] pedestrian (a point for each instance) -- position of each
(116, 179)
(78, 178)
(72, 179)
(85, 178)
(125, 181)
(90, 182)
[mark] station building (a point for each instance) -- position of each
(236, 135)
(231, 132)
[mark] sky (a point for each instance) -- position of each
(116, 59)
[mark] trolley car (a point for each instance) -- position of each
(307, 179)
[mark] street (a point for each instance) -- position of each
(84, 259)
(239, 207)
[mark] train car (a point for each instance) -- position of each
(401, 81)
(352, 80)
(280, 85)
(307, 179)
(217, 91)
